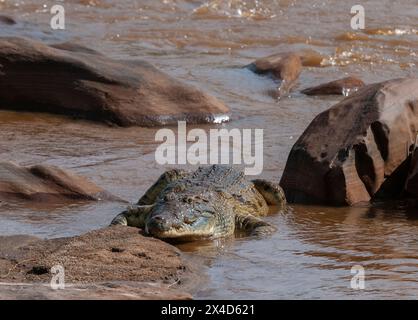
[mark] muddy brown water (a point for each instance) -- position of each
(206, 43)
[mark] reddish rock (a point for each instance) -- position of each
(42, 183)
(285, 67)
(357, 149)
(310, 58)
(77, 81)
(343, 86)
(110, 263)
(74, 47)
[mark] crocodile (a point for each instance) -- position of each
(211, 202)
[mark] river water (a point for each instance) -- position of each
(206, 43)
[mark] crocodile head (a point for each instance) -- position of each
(184, 217)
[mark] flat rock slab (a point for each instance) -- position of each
(115, 262)
(344, 86)
(46, 183)
(76, 81)
(358, 149)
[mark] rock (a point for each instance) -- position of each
(12, 243)
(6, 20)
(115, 262)
(343, 87)
(96, 291)
(310, 58)
(358, 149)
(46, 183)
(285, 67)
(74, 47)
(76, 81)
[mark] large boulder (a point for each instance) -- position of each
(46, 183)
(358, 149)
(114, 262)
(73, 80)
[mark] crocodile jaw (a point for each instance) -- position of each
(183, 232)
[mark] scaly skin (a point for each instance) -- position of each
(211, 202)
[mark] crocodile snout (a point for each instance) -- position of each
(157, 224)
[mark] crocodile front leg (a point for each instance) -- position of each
(254, 226)
(271, 192)
(133, 216)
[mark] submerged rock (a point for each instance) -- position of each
(285, 66)
(76, 81)
(358, 149)
(343, 87)
(6, 20)
(115, 262)
(46, 183)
